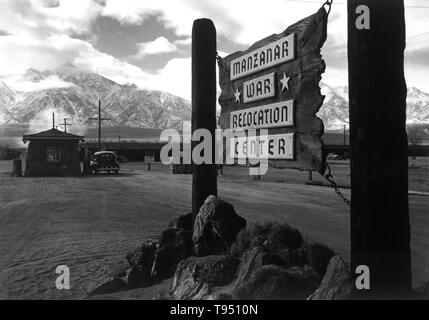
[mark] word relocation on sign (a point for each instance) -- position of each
(273, 86)
(279, 146)
(273, 115)
(263, 58)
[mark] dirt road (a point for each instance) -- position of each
(89, 223)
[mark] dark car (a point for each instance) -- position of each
(104, 161)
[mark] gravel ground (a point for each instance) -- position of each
(89, 223)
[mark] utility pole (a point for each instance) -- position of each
(345, 138)
(99, 119)
(380, 224)
(65, 124)
(204, 176)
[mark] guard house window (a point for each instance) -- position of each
(53, 154)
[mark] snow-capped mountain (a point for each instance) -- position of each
(335, 109)
(76, 96)
(74, 93)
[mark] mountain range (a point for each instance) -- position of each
(335, 109)
(76, 97)
(77, 92)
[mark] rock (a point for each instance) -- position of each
(143, 254)
(141, 259)
(110, 286)
(216, 227)
(337, 282)
(319, 256)
(182, 222)
(272, 282)
(196, 277)
(174, 246)
(422, 291)
(271, 235)
(138, 278)
(293, 257)
(252, 261)
(118, 270)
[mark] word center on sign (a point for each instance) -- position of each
(268, 147)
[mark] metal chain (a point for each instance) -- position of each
(329, 4)
(334, 185)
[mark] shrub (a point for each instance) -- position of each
(273, 236)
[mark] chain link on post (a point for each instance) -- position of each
(329, 4)
(334, 185)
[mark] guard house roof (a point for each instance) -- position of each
(51, 134)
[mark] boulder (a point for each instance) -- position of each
(141, 259)
(216, 227)
(174, 245)
(293, 257)
(197, 277)
(272, 282)
(182, 222)
(422, 291)
(337, 282)
(143, 254)
(319, 256)
(110, 286)
(138, 278)
(252, 261)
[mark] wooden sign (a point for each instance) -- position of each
(274, 85)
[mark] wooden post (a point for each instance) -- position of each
(380, 226)
(345, 136)
(17, 168)
(99, 125)
(203, 105)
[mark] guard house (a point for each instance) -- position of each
(52, 153)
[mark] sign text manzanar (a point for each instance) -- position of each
(274, 85)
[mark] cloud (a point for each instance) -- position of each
(40, 18)
(158, 46)
(241, 21)
(175, 77)
(44, 34)
(23, 85)
(183, 42)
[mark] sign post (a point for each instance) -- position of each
(204, 53)
(380, 225)
(274, 85)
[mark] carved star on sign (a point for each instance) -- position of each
(285, 82)
(237, 95)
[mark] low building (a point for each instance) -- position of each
(147, 151)
(52, 153)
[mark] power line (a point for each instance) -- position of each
(343, 3)
(408, 38)
(418, 35)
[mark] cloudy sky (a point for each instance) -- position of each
(147, 42)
